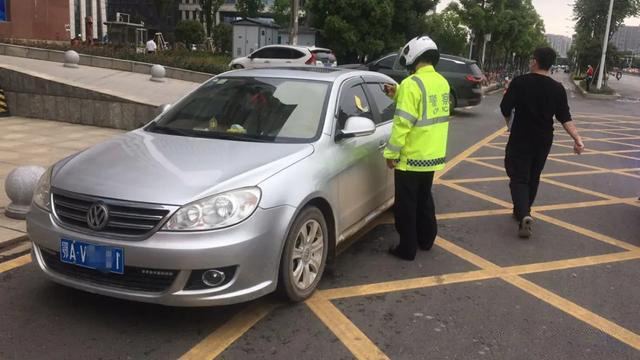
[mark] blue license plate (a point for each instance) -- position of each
(103, 258)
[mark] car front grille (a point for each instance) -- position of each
(126, 220)
(134, 278)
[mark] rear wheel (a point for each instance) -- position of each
(304, 256)
(453, 102)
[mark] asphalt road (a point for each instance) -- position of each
(628, 86)
(569, 292)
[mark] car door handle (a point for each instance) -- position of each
(267, 62)
(382, 145)
(288, 62)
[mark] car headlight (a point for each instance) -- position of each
(216, 211)
(42, 193)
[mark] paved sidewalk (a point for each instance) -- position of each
(38, 142)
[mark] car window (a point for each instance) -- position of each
(249, 109)
(475, 70)
(387, 62)
(353, 102)
(293, 54)
(267, 53)
(384, 104)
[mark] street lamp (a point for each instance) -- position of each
(487, 37)
(604, 47)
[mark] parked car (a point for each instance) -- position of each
(324, 57)
(275, 56)
(464, 76)
(246, 185)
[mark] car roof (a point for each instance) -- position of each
(302, 72)
(442, 56)
(285, 46)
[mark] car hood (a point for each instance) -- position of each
(172, 170)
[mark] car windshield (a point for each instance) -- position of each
(249, 109)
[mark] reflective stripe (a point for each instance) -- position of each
(393, 148)
(424, 97)
(432, 121)
(426, 163)
(405, 115)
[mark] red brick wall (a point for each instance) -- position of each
(46, 21)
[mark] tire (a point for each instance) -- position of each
(237, 67)
(453, 102)
(299, 256)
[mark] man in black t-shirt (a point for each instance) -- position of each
(536, 98)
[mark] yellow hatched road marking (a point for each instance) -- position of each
(349, 334)
(218, 341)
(17, 262)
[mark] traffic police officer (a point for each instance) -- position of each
(418, 144)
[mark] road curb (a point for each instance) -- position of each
(587, 95)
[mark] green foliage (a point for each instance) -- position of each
(282, 12)
(209, 9)
(447, 31)
(514, 25)
(249, 8)
(223, 37)
(202, 61)
(409, 20)
(189, 32)
(357, 28)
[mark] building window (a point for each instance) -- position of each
(4, 10)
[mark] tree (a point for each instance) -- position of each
(249, 8)
(207, 15)
(591, 22)
(516, 30)
(447, 31)
(353, 28)
(409, 19)
(189, 32)
(223, 37)
(282, 12)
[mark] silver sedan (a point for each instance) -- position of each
(245, 186)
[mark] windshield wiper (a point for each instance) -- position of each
(167, 130)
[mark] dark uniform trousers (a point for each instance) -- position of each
(414, 212)
(524, 164)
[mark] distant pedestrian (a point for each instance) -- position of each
(589, 76)
(151, 47)
(536, 98)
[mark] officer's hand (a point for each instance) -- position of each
(390, 90)
(391, 164)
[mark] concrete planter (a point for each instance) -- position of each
(594, 96)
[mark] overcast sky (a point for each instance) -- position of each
(557, 15)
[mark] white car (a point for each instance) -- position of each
(275, 56)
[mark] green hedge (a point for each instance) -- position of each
(202, 61)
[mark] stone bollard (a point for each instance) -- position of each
(20, 185)
(71, 59)
(157, 73)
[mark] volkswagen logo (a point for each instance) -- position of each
(98, 216)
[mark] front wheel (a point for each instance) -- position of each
(452, 102)
(304, 256)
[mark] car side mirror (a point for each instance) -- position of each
(163, 108)
(357, 126)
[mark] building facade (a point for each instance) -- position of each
(35, 19)
(560, 43)
(627, 38)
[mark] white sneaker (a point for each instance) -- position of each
(524, 230)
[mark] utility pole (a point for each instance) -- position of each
(604, 46)
(487, 37)
(295, 11)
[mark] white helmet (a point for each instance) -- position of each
(416, 47)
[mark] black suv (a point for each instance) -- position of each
(463, 75)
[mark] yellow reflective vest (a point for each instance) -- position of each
(421, 123)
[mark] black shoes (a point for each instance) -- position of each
(395, 252)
